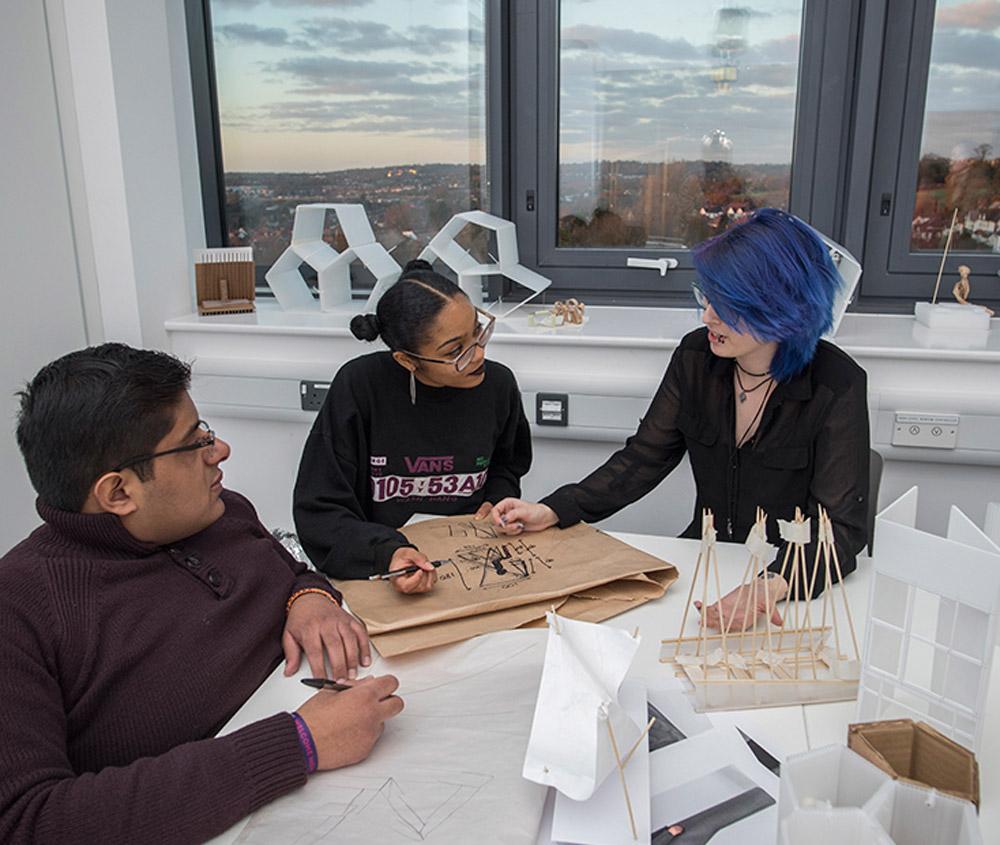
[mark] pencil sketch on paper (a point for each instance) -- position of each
(396, 808)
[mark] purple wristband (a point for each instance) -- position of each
(306, 743)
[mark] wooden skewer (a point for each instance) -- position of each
(635, 745)
(843, 592)
(621, 774)
(725, 645)
(704, 607)
(687, 604)
(944, 255)
(744, 585)
(784, 569)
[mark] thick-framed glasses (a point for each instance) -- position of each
(207, 439)
(484, 331)
(699, 296)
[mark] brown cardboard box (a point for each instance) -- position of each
(916, 753)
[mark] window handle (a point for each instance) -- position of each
(661, 264)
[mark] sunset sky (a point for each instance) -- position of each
(334, 84)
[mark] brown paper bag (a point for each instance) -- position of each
(489, 582)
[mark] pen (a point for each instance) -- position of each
(408, 570)
(323, 683)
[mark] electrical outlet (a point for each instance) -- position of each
(313, 394)
(552, 409)
(927, 431)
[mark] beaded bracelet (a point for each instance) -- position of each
(299, 593)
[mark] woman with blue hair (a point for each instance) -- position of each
(770, 414)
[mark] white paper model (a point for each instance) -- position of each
(570, 746)
(470, 272)
(333, 268)
(932, 623)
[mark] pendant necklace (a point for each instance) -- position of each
(743, 390)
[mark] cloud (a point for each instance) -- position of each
(249, 33)
(337, 75)
(361, 37)
(627, 41)
(977, 14)
(967, 49)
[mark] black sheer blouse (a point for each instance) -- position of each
(811, 448)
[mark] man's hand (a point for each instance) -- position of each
(346, 725)
(316, 625)
(738, 610)
(512, 516)
(417, 582)
(485, 509)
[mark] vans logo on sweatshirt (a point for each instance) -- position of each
(434, 463)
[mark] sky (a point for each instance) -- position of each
(313, 85)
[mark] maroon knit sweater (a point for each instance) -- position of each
(119, 660)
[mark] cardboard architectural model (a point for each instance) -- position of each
(333, 268)
(804, 660)
(225, 280)
(471, 272)
(932, 624)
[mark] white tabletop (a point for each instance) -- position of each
(780, 730)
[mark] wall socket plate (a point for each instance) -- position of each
(313, 394)
(925, 431)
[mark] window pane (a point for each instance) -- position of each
(382, 103)
(676, 119)
(960, 143)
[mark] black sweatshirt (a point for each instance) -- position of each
(811, 448)
(373, 459)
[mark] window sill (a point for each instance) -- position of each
(860, 335)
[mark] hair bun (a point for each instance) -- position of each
(366, 327)
(417, 265)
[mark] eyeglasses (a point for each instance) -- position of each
(201, 443)
(699, 296)
(484, 331)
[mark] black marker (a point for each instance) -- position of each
(323, 683)
(408, 570)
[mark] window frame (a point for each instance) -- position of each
(892, 273)
(823, 100)
(847, 150)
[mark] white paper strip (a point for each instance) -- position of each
(758, 546)
(795, 532)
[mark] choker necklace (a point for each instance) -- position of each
(747, 372)
(743, 390)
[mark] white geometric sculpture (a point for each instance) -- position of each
(333, 268)
(932, 624)
(470, 272)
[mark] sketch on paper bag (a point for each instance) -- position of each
(402, 808)
(490, 565)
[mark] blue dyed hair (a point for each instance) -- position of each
(771, 276)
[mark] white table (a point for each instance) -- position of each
(780, 730)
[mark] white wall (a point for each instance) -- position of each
(42, 315)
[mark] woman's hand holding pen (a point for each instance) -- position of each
(346, 725)
(418, 582)
(512, 516)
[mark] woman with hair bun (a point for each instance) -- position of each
(429, 426)
(769, 413)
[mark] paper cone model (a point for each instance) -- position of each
(333, 268)
(571, 746)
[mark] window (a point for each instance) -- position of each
(608, 130)
(382, 103)
(937, 151)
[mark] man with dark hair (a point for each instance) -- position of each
(144, 612)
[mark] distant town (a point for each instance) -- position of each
(661, 206)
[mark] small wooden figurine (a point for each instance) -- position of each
(962, 288)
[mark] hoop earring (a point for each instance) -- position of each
(413, 389)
